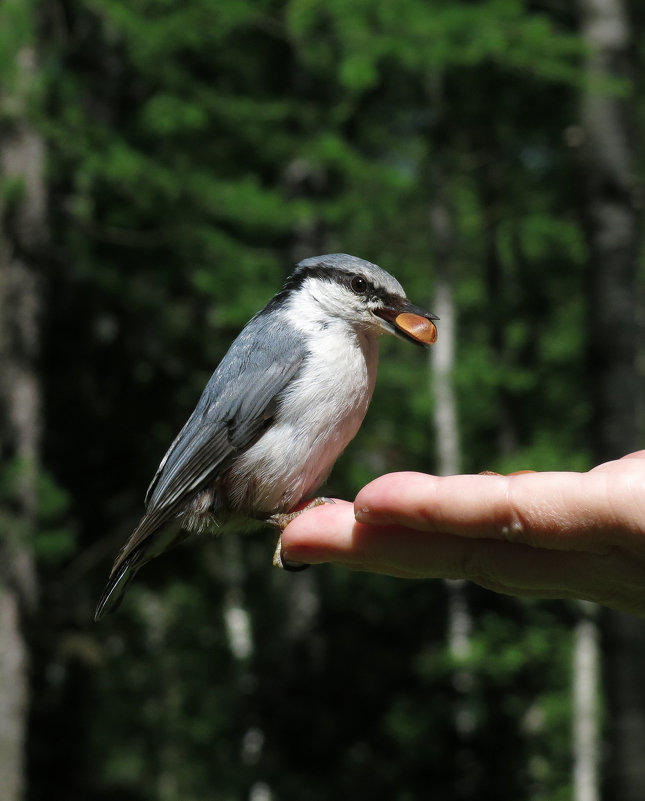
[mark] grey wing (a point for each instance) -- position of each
(222, 425)
(234, 410)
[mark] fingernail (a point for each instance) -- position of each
(363, 515)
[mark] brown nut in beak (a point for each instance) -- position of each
(417, 327)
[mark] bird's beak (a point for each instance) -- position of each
(409, 322)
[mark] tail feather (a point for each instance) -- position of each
(137, 552)
(118, 583)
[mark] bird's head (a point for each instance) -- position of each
(338, 286)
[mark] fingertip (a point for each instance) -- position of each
(376, 499)
(315, 535)
(634, 455)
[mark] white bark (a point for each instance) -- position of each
(22, 158)
(13, 698)
(446, 425)
(442, 355)
(586, 688)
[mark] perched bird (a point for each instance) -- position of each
(280, 408)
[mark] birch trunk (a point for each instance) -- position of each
(446, 425)
(607, 158)
(586, 739)
(442, 355)
(22, 232)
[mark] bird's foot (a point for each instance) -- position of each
(281, 520)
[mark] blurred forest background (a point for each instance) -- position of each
(163, 163)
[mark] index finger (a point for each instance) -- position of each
(553, 510)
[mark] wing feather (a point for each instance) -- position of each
(219, 431)
(233, 412)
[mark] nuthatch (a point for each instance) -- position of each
(280, 408)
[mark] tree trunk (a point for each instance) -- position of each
(586, 740)
(446, 425)
(607, 156)
(22, 231)
(442, 354)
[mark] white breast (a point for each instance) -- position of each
(319, 415)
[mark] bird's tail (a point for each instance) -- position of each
(118, 583)
(148, 540)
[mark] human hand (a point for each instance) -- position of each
(540, 535)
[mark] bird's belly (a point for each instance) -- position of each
(319, 415)
(281, 469)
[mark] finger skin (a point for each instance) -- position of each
(552, 510)
(556, 535)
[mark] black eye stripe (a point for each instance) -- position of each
(333, 275)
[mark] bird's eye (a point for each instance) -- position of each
(358, 285)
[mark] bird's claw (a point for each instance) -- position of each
(281, 520)
(284, 564)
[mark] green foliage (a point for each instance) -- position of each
(55, 538)
(16, 32)
(52, 538)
